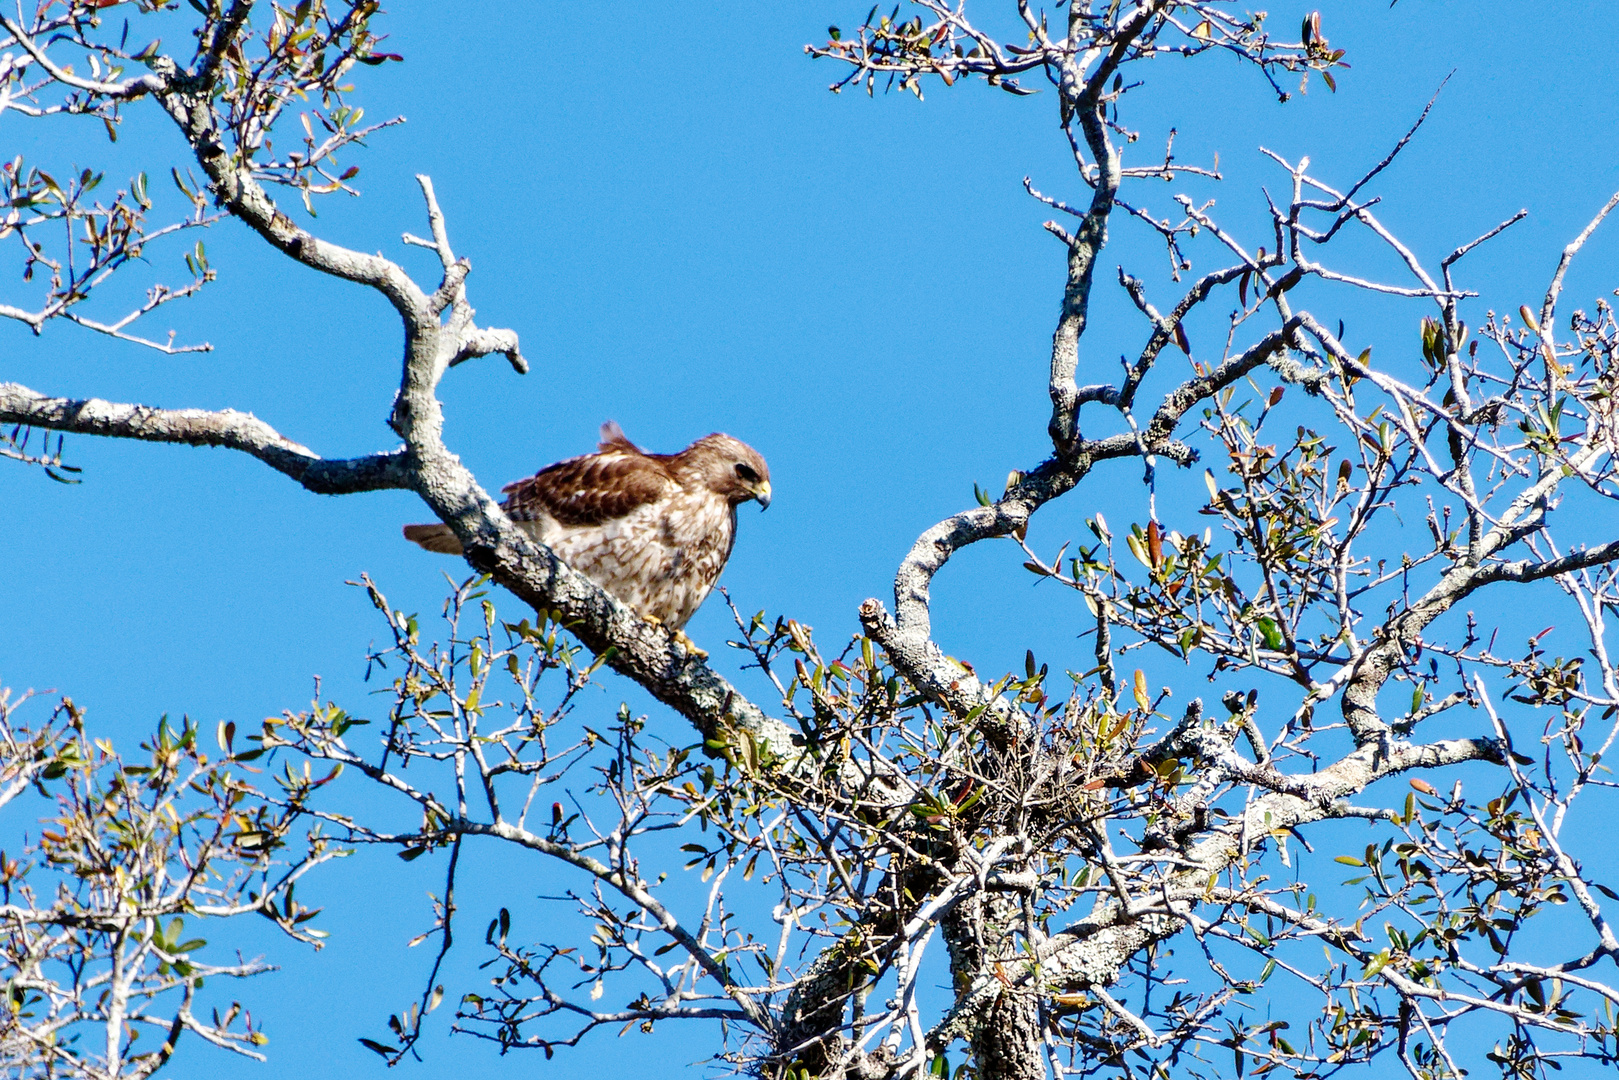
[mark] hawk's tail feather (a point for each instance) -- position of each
(435, 537)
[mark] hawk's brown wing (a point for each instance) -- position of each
(591, 489)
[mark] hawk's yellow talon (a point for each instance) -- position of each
(687, 645)
(690, 646)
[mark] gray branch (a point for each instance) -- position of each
(199, 427)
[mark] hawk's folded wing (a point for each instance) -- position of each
(591, 489)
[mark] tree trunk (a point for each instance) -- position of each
(1004, 1039)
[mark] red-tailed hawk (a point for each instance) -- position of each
(652, 529)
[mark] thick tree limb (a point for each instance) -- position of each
(199, 427)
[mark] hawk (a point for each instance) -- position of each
(654, 530)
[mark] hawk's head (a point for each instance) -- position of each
(728, 467)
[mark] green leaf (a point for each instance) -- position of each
(1273, 636)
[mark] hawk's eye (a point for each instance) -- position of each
(746, 474)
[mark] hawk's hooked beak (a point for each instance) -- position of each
(763, 495)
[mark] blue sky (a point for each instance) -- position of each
(691, 234)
